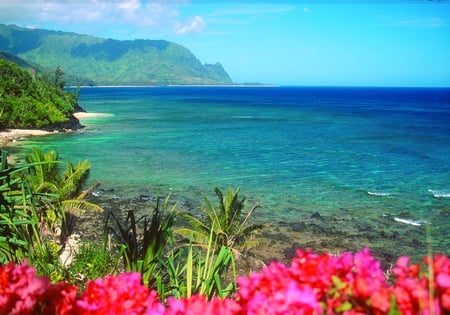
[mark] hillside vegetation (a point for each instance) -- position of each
(28, 100)
(109, 61)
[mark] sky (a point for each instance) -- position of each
(310, 43)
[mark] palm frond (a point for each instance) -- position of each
(77, 207)
(199, 229)
(88, 190)
(74, 178)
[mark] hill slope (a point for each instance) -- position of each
(108, 61)
(29, 101)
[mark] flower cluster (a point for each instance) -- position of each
(316, 284)
(413, 291)
(21, 292)
(349, 284)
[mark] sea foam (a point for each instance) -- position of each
(409, 221)
(440, 193)
(378, 194)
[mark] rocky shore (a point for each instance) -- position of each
(340, 232)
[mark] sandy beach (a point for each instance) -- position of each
(11, 136)
(83, 115)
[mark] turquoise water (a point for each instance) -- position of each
(372, 151)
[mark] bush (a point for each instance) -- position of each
(31, 102)
(312, 284)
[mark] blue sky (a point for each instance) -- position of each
(347, 43)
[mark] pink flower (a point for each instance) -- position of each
(58, 299)
(20, 289)
(381, 300)
(275, 290)
(313, 284)
(122, 294)
(315, 271)
(198, 305)
(441, 269)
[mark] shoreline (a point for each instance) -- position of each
(334, 233)
(83, 115)
(9, 137)
(322, 232)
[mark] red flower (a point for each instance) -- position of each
(275, 290)
(20, 289)
(58, 299)
(123, 294)
(198, 305)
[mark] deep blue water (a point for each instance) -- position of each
(295, 150)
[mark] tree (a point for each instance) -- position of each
(45, 176)
(27, 102)
(58, 81)
(228, 223)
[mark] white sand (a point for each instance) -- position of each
(12, 135)
(81, 115)
(9, 136)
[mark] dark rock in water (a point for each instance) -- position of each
(72, 124)
(298, 227)
(143, 198)
(290, 252)
(79, 109)
(316, 215)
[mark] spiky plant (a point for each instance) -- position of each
(143, 241)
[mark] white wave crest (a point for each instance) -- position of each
(440, 193)
(378, 194)
(410, 222)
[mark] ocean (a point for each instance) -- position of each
(376, 153)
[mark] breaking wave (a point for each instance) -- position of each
(440, 193)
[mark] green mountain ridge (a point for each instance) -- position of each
(109, 61)
(42, 71)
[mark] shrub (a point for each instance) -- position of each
(312, 284)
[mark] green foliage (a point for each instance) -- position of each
(27, 101)
(143, 241)
(147, 246)
(111, 62)
(92, 261)
(46, 261)
(46, 176)
(228, 222)
(32, 202)
(199, 271)
(20, 235)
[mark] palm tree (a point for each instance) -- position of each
(45, 176)
(228, 223)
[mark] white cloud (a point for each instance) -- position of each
(307, 10)
(158, 16)
(195, 24)
(129, 5)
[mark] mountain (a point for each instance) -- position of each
(21, 62)
(109, 61)
(44, 72)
